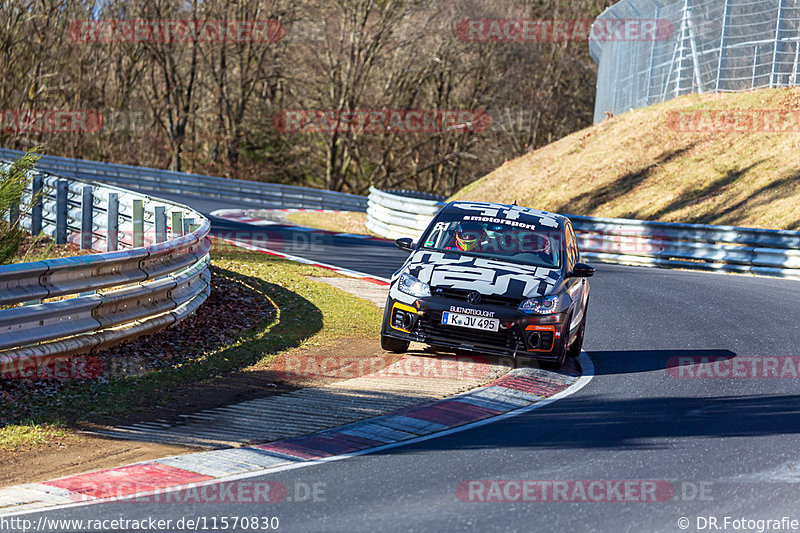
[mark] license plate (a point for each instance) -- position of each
(469, 321)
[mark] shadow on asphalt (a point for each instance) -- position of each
(595, 421)
(634, 361)
(640, 418)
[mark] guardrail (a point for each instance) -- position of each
(167, 181)
(397, 214)
(630, 242)
(152, 272)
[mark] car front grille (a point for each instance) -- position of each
(461, 294)
(430, 326)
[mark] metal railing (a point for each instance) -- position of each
(704, 46)
(167, 181)
(397, 214)
(151, 273)
(630, 242)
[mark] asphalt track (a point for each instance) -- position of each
(727, 447)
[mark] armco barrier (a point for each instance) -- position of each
(151, 273)
(396, 214)
(167, 181)
(630, 242)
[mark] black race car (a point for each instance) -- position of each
(491, 278)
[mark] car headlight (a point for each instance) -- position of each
(545, 305)
(411, 285)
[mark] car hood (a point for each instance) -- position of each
(487, 276)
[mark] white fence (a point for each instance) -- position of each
(630, 242)
(703, 46)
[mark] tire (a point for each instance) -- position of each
(390, 344)
(575, 350)
(562, 351)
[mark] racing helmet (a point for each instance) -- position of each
(468, 234)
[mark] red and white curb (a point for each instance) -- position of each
(517, 392)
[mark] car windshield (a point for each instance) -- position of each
(502, 240)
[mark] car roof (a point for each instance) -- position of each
(495, 210)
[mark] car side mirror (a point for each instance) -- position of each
(582, 270)
(405, 244)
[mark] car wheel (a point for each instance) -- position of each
(575, 350)
(390, 344)
(562, 348)
(577, 346)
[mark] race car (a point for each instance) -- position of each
(491, 278)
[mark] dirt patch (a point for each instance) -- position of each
(81, 452)
(73, 454)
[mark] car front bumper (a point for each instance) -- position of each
(519, 334)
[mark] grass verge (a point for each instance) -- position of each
(306, 314)
(17, 436)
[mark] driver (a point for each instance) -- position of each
(469, 237)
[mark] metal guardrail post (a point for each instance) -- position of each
(177, 224)
(13, 214)
(138, 223)
(36, 208)
(87, 218)
(161, 223)
(62, 188)
(112, 223)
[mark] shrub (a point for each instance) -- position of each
(13, 181)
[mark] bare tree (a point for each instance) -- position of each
(238, 69)
(209, 105)
(173, 75)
